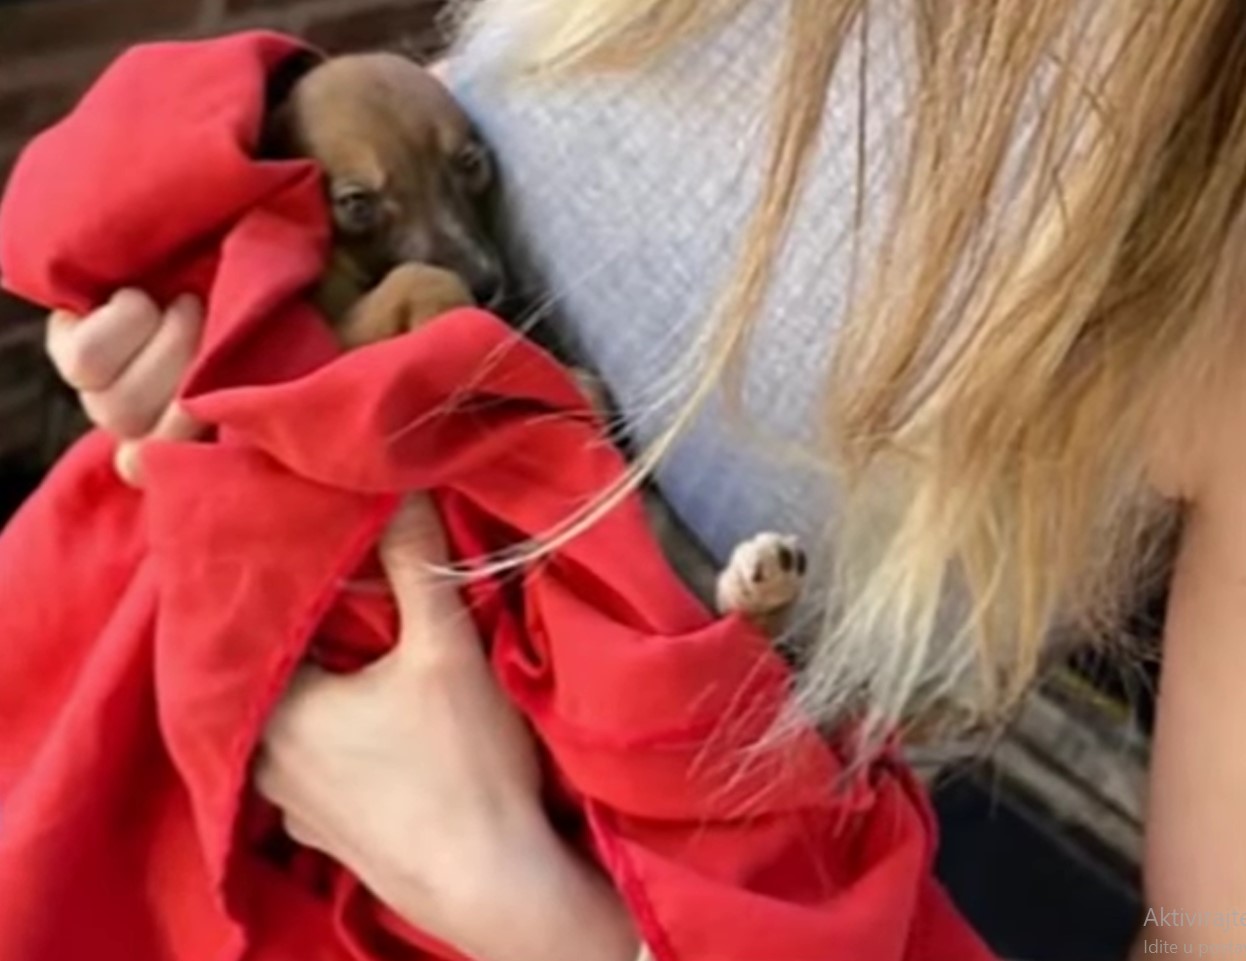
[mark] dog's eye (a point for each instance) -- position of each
(473, 166)
(356, 209)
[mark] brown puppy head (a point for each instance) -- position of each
(407, 178)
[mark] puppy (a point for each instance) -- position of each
(408, 183)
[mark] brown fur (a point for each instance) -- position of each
(406, 180)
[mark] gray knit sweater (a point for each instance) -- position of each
(628, 196)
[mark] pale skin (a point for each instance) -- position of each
(1196, 833)
(363, 769)
(415, 773)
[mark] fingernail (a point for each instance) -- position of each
(126, 461)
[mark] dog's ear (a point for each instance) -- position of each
(279, 136)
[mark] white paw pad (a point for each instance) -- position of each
(764, 576)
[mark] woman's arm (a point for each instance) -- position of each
(1196, 831)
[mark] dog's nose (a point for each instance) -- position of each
(488, 287)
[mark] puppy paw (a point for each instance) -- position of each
(763, 579)
(409, 296)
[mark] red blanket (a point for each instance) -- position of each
(145, 636)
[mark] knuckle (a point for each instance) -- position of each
(300, 832)
(135, 312)
(117, 413)
(280, 739)
(59, 326)
(83, 361)
(282, 724)
(265, 778)
(297, 715)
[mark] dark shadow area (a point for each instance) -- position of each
(1033, 888)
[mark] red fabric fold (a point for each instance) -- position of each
(144, 638)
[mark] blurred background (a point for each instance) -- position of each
(1042, 835)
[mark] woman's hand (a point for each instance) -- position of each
(125, 360)
(415, 773)
(418, 775)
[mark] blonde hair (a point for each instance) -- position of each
(1049, 283)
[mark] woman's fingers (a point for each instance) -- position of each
(289, 723)
(174, 424)
(91, 352)
(276, 787)
(413, 542)
(132, 404)
(303, 833)
(429, 609)
(125, 360)
(266, 779)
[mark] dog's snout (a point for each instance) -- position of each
(481, 267)
(461, 249)
(488, 286)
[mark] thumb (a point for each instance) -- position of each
(413, 547)
(174, 424)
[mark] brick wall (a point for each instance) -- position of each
(50, 49)
(49, 52)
